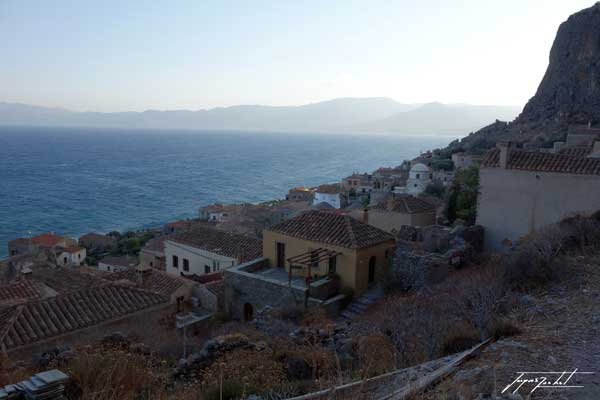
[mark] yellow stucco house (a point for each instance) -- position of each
(318, 243)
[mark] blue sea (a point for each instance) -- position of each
(72, 181)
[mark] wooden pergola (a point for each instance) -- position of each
(310, 259)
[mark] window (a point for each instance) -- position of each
(151, 264)
(108, 268)
(186, 264)
(207, 269)
(332, 264)
(79, 256)
(65, 260)
(418, 176)
(175, 262)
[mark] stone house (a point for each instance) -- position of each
(116, 264)
(464, 160)
(396, 211)
(521, 192)
(72, 256)
(204, 250)
(214, 212)
(36, 243)
(358, 183)
(315, 244)
(301, 193)
(330, 194)
(183, 225)
(95, 242)
(152, 255)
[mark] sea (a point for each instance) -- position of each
(75, 180)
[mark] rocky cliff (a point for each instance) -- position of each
(569, 93)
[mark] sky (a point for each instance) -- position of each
(193, 54)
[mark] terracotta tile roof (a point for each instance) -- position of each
(39, 320)
(226, 244)
(47, 239)
(334, 229)
(16, 292)
(576, 151)
(154, 281)
(333, 188)
(123, 261)
(405, 205)
(65, 280)
(544, 162)
(96, 239)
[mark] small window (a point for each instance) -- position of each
(108, 268)
(207, 269)
(418, 176)
(151, 264)
(186, 264)
(65, 260)
(175, 262)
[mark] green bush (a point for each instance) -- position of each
(232, 390)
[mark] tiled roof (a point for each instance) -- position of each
(39, 320)
(333, 188)
(16, 292)
(96, 238)
(226, 244)
(153, 280)
(334, 229)
(122, 261)
(65, 280)
(405, 205)
(576, 151)
(47, 239)
(544, 162)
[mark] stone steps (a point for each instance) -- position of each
(361, 304)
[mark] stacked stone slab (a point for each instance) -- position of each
(48, 385)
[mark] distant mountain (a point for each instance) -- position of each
(439, 119)
(569, 93)
(344, 115)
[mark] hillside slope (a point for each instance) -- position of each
(569, 93)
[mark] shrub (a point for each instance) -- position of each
(232, 390)
(460, 339)
(504, 328)
(291, 313)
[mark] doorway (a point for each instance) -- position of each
(248, 312)
(281, 255)
(372, 261)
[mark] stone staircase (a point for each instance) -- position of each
(359, 305)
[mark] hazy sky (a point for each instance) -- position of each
(133, 55)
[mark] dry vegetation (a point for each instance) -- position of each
(404, 329)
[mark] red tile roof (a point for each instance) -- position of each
(228, 244)
(544, 162)
(405, 205)
(577, 151)
(334, 229)
(26, 324)
(16, 292)
(47, 239)
(153, 280)
(333, 188)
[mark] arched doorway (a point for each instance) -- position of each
(372, 261)
(248, 312)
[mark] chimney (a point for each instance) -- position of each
(505, 147)
(595, 150)
(365, 218)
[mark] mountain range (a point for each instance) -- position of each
(342, 115)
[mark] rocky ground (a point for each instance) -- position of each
(561, 327)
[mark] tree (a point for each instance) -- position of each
(462, 200)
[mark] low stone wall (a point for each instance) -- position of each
(324, 288)
(246, 292)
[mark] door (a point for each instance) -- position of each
(281, 255)
(372, 269)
